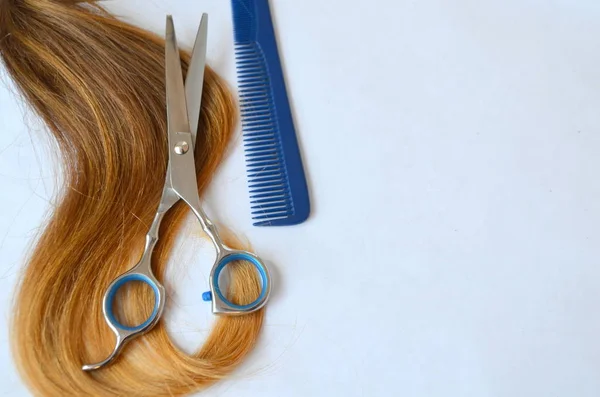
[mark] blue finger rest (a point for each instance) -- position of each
(242, 257)
(113, 291)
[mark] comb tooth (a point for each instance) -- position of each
(241, 69)
(258, 129)
(251, 74)
(257, 170)
(245, 55)
(260, 135)
(274, 183)
(248, 71)
(254, 100)
(271, 215)
(250, 83)
(264, 143)
(267, 173)
(254, 164)
(254, 108)
(269, 211)
(243, 82)
(265, 182)
(252, 80)
(251, 77)
(276, 173)
(265, 136)
(245, 50)
(249, 67)
(255, 159)
(255, 123)
(255, 105)
(245, 97)
(275, 220)
(268, 199)
(263, 157)
(246, 59)
(253, 91)
(269, 196)
(251, 108)
(254, 112)
(246, 90)
(250, 102)
(271, 205)
(252, 115)
(275, 213)
(269, 222)
(259, 151)
(259, 162)
(259, 100)
(253, 88)
(258, 123)
(266, 178)
(269, 190)
(245, 76)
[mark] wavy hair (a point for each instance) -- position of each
(98, 84)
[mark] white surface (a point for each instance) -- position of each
(453, 150)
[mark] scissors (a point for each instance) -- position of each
(183, 115)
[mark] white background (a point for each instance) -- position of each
(453, 152)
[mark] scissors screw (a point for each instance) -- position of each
(182, 147)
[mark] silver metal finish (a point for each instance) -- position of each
(194, 81)
(181, 147)
(183, 115)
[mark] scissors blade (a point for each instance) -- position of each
(195, 77)
(177, 118)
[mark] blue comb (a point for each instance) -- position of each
(278, 190)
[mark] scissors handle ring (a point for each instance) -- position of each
(125, 333)
(221, 305)
(111, 292)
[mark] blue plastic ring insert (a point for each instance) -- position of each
(242, 257)
(113, 291)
